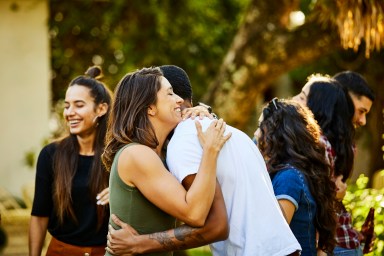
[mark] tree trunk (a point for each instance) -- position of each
(263, 49)
(375, 120)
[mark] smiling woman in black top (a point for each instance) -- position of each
(70, 176)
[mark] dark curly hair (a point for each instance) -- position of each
(290, 135)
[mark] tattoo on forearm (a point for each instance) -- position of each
(165, 240)
(183, 236)
(183, 232)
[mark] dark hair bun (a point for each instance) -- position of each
(94, 72)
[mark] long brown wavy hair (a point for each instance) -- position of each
(67, 154)
(290, 135)
(129, 120)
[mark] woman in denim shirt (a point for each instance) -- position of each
(289, 139)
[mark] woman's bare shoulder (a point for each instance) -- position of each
(138, 156)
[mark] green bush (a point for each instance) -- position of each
(358, 200)
(201, 251)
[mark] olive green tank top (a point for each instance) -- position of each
(130, 205)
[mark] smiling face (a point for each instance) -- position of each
(362, 106)
(80, 111)
(167, 109)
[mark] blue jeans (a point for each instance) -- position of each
(339, 251)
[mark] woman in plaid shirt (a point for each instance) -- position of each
(332, 106)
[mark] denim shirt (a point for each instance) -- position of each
(291, 184)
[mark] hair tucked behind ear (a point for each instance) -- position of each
(129, 120)
(67, 154)
(290, 135)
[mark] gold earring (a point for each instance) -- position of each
(95, 120)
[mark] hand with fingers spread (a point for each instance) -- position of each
(121, 241)
(213, 138)
(197, 111)
(103, 197)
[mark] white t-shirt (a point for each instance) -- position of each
(257, 225)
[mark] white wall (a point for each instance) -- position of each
(24, 86)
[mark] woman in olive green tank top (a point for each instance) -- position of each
(142, 191)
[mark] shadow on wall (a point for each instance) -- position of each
(3, 238)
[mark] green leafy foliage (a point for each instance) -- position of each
(358, 200)
(201, 251)
(123, 36)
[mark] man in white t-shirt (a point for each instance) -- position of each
(256, 223)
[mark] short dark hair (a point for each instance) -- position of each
(179, 80)
(355, 83)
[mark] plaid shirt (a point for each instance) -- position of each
(346, 236)
(330, 153)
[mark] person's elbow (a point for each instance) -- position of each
(195, 221)
(222, 232)
(216, 231)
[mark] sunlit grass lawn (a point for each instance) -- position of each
(201, 251)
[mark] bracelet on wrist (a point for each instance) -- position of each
(209, 108)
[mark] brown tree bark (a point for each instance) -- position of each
(263, 49)
(375, 119)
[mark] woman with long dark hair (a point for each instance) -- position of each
(70, 176)
(289, 139)
(333, 109)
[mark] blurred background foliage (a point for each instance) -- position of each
(122, 36)
(358, 200)
(235, 51)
